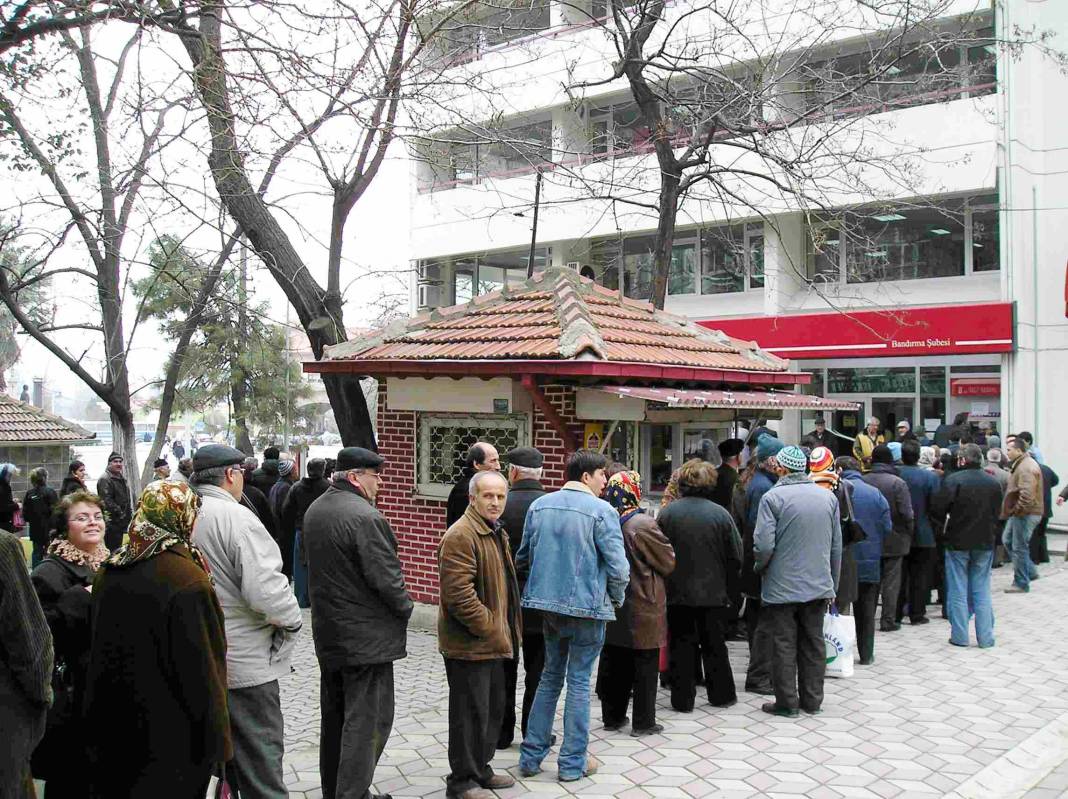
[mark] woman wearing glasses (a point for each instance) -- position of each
(63, 581)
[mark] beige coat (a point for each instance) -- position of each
(1023, 496)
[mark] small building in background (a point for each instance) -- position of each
(29, 438)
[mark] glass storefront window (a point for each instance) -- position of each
(985, 243)
(682, 277)
(699, 442)
(463, 281)
(874, 380)
(756, 260)
(722, 261)
(908, 244)
(661, 460)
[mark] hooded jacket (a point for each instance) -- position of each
(262, 616)
(884, 477)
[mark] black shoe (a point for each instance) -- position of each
(656, 729)
(503, 744)
(617, 725)
(811, 712)
(775, 710)
(866, 661)
(763, 690)
(728, 703)
(887, 627)
(921, 620)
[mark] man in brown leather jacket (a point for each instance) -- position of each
(1022, 508)
(479, 629)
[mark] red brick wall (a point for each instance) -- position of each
(419, 523)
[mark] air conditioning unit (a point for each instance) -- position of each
(585, 270)
(429, 296)
(428, 271)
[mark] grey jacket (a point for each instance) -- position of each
(261, 612)
(885, 477)
(798, 542)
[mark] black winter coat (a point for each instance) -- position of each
(7, 507)
(521, 495)
(458, 499)
(726, 480)
(971, 499)
(70, 485)
(37, 508)
(60, 587)
(265, 476)
(297, 502)
(884, 477)
(256, 501)
(360, 604)
(114, 492)
(708, 552)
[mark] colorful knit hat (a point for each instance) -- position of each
(792, 458)
(821, 466)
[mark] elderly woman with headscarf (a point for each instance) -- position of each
(63, 583)
(628, 668)
(156, 686)
(708, 556)
(8, 506)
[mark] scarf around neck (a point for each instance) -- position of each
(65, 550)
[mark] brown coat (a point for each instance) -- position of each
(1023, 494)
(478, 612)
(640, 622)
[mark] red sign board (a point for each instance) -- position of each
(974, 387)
(939, 330)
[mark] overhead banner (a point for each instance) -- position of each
(934, 330)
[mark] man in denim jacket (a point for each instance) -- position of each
(573, 552)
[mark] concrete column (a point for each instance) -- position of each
(784, 261)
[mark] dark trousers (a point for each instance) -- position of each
(798, 657)
(357, 717)
(476, 705)
(533, 663)
(864, 618)
(692, 631)
(1039, 547)
(758, 675)
(113, 534)
(624, 673)
(915, 583)
(173, 780)
(891, 587)
(256, 728)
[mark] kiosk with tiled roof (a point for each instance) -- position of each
(29, 438)
(556, 362)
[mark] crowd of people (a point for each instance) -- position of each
(142, 654)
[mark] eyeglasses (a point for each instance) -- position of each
(85, 518)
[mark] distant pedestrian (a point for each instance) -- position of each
(578, 574)
(627, 675)
(919, 564)
(730, 451)
(262, 620)
(63, 582)
(37, 507)
(114, 491)
(156, 685)
(967, 507)
(1032, 448)
(798, 544)
(161, 470)
(296, 504)
(820, 436)
(481, 457)
(759, 476)
(25, 395)
(266, 475)
(1038, 546)
(872, 513)
(1022, 509)
(479, 629)
(8, 505)
(866, 442)
(360, 611)
(708, 559)
(524, 476)
(287, 476)
(884, 477)
(185, 469)
(25, 671)
(74, 479)
(178, 449)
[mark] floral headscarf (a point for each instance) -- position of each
(624, 493)
(164, 518)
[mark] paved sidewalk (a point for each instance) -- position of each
(925, 720)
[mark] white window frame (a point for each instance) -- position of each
(520, 422)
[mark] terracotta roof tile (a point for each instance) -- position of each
(557, 315)
(20, 422)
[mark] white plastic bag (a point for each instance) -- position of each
(840, 641)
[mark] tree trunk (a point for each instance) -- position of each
(124, 441)
(665, 237)
(350, 410)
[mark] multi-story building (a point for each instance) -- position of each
(934, 285)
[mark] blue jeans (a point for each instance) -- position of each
(968, 593)
(1017, 538)
(300, 574)
(571, 647)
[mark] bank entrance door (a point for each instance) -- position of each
(891, 410)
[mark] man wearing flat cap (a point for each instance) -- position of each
(360, 609)
(820, 436)
(730, 451)
(524, 475)
(262, 619)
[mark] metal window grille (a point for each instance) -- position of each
(445, 438)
